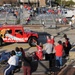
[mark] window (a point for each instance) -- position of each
(9, 31)
(18, 31)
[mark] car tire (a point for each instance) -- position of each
(1, 41)
(31, 42)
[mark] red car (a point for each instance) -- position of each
(16, 33)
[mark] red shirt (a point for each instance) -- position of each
(39, 53)
(59, 50)
(50, 41)
(39, 48)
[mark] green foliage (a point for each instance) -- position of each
(69, 3)
(58, 1)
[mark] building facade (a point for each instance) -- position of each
(40, 3)
(36, 2)
(7, 1)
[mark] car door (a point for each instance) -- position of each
(8, 37)
(18, 36)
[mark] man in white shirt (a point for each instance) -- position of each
(12, 64)
(49, 53)
(49, 48)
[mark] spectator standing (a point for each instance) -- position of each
(49, 52)
(26, 65)
(12, 64)
(18, 52)
(23, 53)
(60, 20)
(65, 49)
(65, 36)
(50, 39)
(73, 19)
(16, 13)
(65, 21)
(68, 46)
(70, 23)
(59, 53)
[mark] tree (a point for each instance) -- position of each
(69, 3)
(58, 1)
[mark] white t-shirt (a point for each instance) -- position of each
(13, 60)
(49, 48)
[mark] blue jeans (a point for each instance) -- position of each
(58, 61)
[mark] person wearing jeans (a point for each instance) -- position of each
(49, 52)
(59, 53)
(59, 61)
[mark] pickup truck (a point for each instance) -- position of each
(16, 33)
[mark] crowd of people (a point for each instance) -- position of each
(16, 61)
(52, 52)
(61, 49)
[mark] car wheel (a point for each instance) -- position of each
(1, 42)
(32, 41)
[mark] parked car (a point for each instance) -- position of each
(16, 33)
